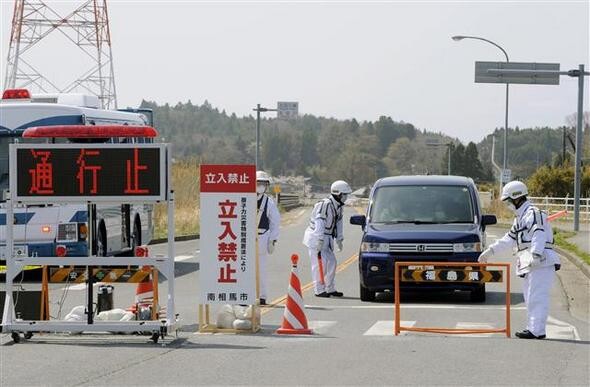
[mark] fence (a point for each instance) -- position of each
(288, 201)
(552, 204)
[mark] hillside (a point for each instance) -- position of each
(328, 149)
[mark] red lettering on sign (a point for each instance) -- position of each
(227, 251)
(227, 231)
(133, 182)
(42, 174)
(227, 209)
(225, 274)
(81, 161)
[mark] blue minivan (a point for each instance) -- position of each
(420, 218)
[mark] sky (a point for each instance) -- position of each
(353, 59)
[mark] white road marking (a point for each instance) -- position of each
(415, 306)
(492, 235)
(385, 328)
(78, 287)
(180, 258)
(557, 329)
(321, 327)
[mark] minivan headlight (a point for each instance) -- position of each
(467, 247)
(374, 247)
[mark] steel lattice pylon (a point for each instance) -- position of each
(87, 28)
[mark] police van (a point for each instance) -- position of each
(62, 229)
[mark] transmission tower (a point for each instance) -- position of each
(87, 28)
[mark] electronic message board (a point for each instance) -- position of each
(47, 173)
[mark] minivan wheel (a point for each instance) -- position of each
(366, 294)
(478, 294)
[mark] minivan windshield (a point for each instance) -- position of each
(422, 204)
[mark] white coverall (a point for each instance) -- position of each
(269, 220)
(531, 231)
(325, 224)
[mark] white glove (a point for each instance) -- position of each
(487, 254)
(271, 246)
(320, 244)
(339, 243)
(538, 259)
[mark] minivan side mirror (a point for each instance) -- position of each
(487, 220)
(361, 220)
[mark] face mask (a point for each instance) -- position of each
(260, 189)
(510, 205)
(343, 198)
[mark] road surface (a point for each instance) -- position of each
(353, 341)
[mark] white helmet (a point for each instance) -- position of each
(263, 176)
(514, 190)
(340, 187)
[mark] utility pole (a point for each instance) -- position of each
(87, 28)
(259, 109)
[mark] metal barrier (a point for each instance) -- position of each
(556, 204)
(468, 273)
(288, 201)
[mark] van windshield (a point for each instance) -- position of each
(422, 204)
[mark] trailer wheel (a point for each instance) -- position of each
(155, 337)
(15, 337)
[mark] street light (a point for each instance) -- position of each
(458, 38)
(448, 145)
(258, 109)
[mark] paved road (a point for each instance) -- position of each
(353, 341)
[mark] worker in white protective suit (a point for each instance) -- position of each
(537, 262)
(325, 228)
(269, 220)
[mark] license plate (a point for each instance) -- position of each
(18, 251)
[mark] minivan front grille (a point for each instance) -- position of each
(420, 248)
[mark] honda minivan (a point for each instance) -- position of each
(420, 218)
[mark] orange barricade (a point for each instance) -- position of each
(465, 275)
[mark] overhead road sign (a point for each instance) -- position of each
(287, 110)
(529, 73)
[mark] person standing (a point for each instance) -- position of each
(325, 228)
(537, 262)
(269, 220)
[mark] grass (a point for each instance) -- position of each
(185, 182)
(561, 241)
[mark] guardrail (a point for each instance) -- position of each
(556, 204)
(288, 201)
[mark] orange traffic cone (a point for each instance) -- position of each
(294, 320)
(144, 293)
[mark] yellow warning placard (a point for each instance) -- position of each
(451, 275)
(80, 275)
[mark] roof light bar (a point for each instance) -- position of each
(16, 94)
(90, 131)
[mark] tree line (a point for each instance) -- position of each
(327, 149)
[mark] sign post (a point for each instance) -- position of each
(541, 74)
(228, 270)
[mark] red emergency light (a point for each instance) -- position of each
(16, 94)
(61, 250)
(90, 131)
(141, 251)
